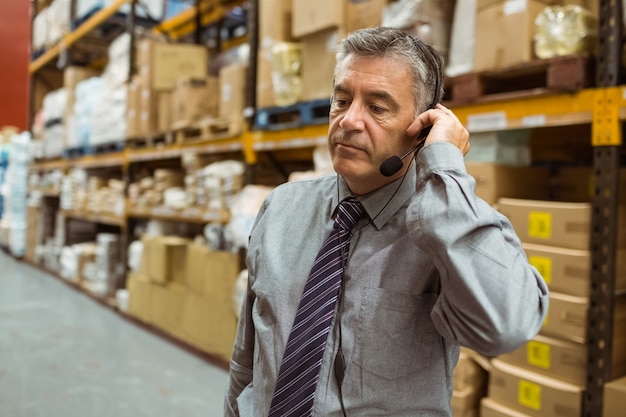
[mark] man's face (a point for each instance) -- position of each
(371, 109)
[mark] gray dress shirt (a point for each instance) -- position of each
(432, 268)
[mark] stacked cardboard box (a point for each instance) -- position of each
(193, 99)
(209, 318)
(469, 385)
(186, 290)
(614, 393)
(160, 65)
(504, 30)
(319, 26)
(547, 376)
(274, 32)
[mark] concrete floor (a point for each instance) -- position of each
(63, 354)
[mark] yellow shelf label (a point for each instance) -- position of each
(529, 395)
(539, 224)
(538, 354)
(543, 265)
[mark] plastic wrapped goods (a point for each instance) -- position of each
(286, 73)
(565, 30)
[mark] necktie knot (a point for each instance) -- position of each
(348, 214)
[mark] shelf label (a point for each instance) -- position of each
(486, 122)
(192, 213)
(529, 395)
(534, 121)
(539, 224)
(538, 354)
(543, 265)
(163, 211)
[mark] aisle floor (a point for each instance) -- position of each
(64, 354)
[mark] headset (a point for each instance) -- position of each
(393, 164)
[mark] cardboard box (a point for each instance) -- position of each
(163, 258)
(274, 27)
(555, 358)
(168, 308)
(212, 272)
(162, 64)
(567, 225)
(469, 384)
(193, 99)
(140, 296)
(491, 408)
(504, 33)
(563, 360)
(363, 14)
(275, 21)
(209, 324)
(495, 181)
(133, 109)
(147, 108)
(468, 373)
(567, 320)
(576, 184)
(232, 90)
(164, 111)
(310, 17)
(318, 63)
(534, 394)
(465, 403)
(614, 394)
(73, 75)
(568, 271)
(264, 81)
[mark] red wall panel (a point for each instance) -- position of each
(14, 58)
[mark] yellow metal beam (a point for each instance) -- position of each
(185, 23)
(538, 111)
(268, 140)
(603, 108)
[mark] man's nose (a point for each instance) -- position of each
(353, 118)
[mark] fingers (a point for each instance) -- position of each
(446, 127)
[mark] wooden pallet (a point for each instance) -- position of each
(300, 114)
(208, 129)
(107, 147)
(75, 152)
(153, 141)
(565, 74)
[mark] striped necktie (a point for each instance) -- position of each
(299, 370)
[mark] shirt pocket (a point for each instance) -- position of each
(396, 334)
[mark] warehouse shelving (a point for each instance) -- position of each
(184, 216)
(602, 107)
(71, 38)
(105, 219)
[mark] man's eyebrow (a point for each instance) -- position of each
(385, 96)
(379, 94)
(339, 89)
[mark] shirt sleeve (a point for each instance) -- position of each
(492, 300)
(241, 363)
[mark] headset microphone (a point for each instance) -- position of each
(393, 164)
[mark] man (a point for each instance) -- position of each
(428, 268)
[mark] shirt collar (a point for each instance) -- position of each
(382, 203)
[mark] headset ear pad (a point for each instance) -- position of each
(437, 73)
(434, 68)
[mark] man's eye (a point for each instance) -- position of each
(377, 109)
(338, 102)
